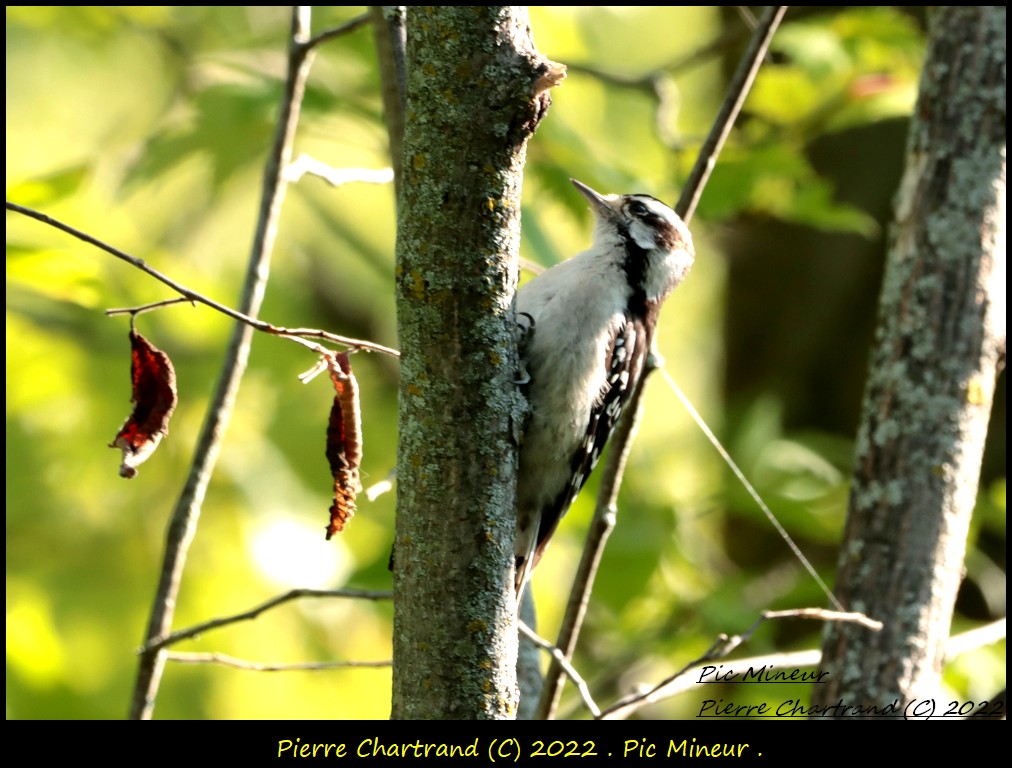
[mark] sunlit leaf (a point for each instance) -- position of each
(40, 192)
(778, 181)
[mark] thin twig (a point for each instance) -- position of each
(975, 638)
(725, 645)
(183, 523)
(644, 82)
(316, 333)
(336, 177)
(560, 658)
(192, 296)
(818, 614)
(687, 679)
(134, 311)
(678, 66)
(330, 34)
(256, 666)
(687, 62)
(657, 82)
(294, 594)
(738, 90)
(380, 487)
(747, 16)
(620, 442)
(777, 526)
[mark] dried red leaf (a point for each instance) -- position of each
(154, 398)
(344, 442)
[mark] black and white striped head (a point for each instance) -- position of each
(653, 243)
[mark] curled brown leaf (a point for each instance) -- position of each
(154, 398)
(344, 442)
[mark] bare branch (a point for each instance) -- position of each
(559, 656)
(385, 485)
(644, 82)
(193, 296)
(819, 614)
(336, 177)
(295, 594)
(747, 16)
(730, 38)
(687, 679)
(255, 666)
(658, 81)
(134, 311)
(315, 333)
(330, 34)
(737, 91)
(681, 680)
(976, 638)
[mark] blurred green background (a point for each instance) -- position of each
(148, 127)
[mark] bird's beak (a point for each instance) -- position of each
(598, 202)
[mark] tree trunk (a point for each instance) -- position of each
(940, 339)
(476, 90)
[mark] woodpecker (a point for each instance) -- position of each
(592, 320)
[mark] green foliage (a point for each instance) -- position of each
(772, 178)
(148, 127)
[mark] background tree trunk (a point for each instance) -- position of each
(940, 339)
(474, 97)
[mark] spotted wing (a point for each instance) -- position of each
(626, 355)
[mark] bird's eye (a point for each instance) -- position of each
(638, 209)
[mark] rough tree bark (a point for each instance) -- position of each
(476, 90)
(940, 338)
